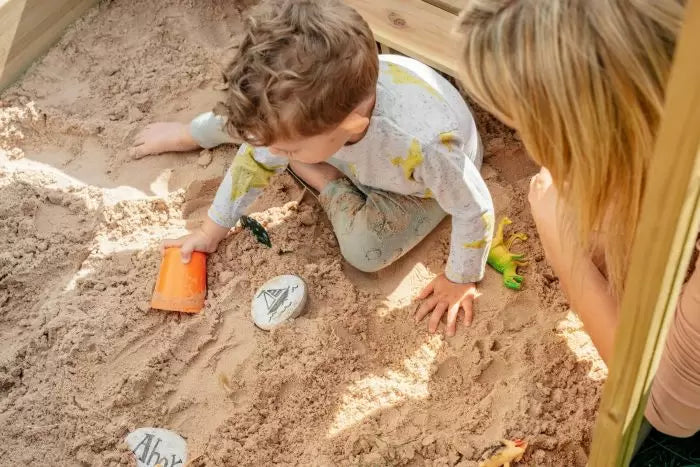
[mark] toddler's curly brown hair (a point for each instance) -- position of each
(301, 68)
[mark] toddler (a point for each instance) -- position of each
(388, 143)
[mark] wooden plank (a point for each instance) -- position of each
(28, 28)
(451, 6)
(10, 15)
(660, 254)
(414, 28)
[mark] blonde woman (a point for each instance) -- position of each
(583, 83)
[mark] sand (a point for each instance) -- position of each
(354, 381)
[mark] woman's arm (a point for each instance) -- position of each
(674, 401)
(583, 284)
(588, 295)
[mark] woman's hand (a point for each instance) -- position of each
(544, 201)
(543, 198)
(443, 295)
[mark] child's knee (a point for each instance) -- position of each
(365, 257)
(364, 265)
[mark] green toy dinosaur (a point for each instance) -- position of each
(502, 260)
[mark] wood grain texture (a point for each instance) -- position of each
(28, 28)
(414, 28)
(660, 254)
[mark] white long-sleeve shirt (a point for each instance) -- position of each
(421, 141)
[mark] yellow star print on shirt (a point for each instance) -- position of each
(475, 244)
(412, 160)
(247, 173)
(487, 220)
(447, 139)
(400, 75)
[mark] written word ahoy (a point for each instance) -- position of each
(157, 447)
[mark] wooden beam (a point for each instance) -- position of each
(451, 6)
(28, 28)
(414, 28)
(660, 254)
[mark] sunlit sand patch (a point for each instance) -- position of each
(579, 342)
(159, 186)
(63, 180)
(12, 119)
(406, 290)
(374, 393)
(80, 274)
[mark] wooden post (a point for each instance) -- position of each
(667, 230)
(29, 27)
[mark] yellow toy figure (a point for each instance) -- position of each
(512, 451)
(502, 260)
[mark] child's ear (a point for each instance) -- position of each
(355, 123)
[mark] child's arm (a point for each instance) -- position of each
(459, 189)
(249, 173)
(205, 131)
(457, 186)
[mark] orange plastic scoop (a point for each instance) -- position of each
(181, 287)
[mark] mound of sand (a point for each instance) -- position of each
(354, 381)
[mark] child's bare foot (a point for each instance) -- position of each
(163, 137)
(317, 176)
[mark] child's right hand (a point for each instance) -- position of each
(196, 241)
(163, 137)
(204, 239)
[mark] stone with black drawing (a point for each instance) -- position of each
(278, 300)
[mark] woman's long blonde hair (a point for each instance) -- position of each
(583, 82)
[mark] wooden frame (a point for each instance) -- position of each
(28, 28)
(666, 234)
(417, 28)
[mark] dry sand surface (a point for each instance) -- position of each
(354, 381)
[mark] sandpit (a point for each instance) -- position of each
(354, 381)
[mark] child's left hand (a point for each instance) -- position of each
(442, 295)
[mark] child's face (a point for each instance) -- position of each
(320, 148)
(312, 149)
